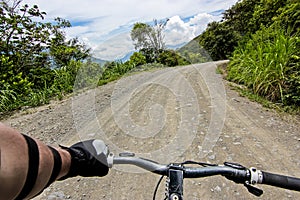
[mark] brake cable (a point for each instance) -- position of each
(157, 186)
(190, 162)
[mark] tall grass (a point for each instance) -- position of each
(11, 98)
(262, 62)
(7, 96)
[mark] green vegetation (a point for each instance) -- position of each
(194, 53)
(37, 62)
(262, 40)
(263, 65)
(149, 41)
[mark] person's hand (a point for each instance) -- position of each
(88, 158)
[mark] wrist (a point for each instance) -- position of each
(66, 162)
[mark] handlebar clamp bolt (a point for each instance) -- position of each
(175, 197)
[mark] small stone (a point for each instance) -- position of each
(56, 196)
(234, 99)
(217, 189)
(212, 157)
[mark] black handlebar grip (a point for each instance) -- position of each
(282, 181)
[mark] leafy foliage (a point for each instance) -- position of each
(137, 59)
(88, 75)
(63, 51)
(262, 40)
(36, 60)
(237, 17)
(219, 40)
(265, 70)
(194, 53)
(289, 16)
(114, 70)
(264, 13)
(243, 19)
(171, 58)
(149, 39)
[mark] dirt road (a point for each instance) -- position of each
(170, 115)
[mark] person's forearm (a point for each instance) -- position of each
(15, 162)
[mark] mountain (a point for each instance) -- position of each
(193, 52)
(126, 57)
(177, 46)
(98, 60)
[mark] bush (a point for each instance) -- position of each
(114, 70)
(171, 58)
(65, 77)
(264, 64)
(10, 79)
(137, 59)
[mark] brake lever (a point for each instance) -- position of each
(255, 177)
(253, 190)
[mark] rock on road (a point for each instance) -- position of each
(169, 115)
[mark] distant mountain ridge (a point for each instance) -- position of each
(98, 60)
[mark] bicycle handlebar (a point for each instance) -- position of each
(232, 171)
(281, 181)
(148, 165)
(189, 172)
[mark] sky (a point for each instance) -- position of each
(105, 25)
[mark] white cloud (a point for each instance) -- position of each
(114, 48)
(200, 21)
(179, 32)
(97, 21)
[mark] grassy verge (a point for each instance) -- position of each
(268, 64)
(246, 92)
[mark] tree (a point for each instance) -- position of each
(24, 43)
(63, 51)
(219, 40)
(34, 46)
(239, 15)
(264, 13)
(289, 16)
(149, 39)
(23, 40)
